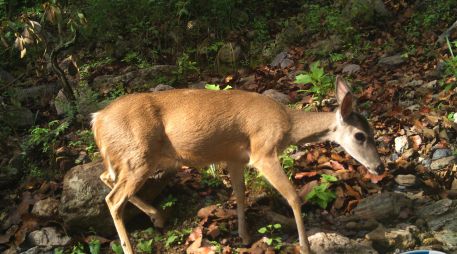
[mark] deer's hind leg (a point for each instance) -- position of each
(159, 184)
(129, 180)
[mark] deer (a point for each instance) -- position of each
(139, 135)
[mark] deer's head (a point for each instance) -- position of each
(353, 132)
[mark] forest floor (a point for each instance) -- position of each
(410, 102)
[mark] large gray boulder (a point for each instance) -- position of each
(321, 243)
(83, 206)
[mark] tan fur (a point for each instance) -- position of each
(139, 134)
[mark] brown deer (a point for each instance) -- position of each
(142, 134)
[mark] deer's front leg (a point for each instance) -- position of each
(268, 164)
(235, 170)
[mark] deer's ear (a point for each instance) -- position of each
(344, 97)
(341, 89)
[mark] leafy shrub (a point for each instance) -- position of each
(320, 194)
(321, 83)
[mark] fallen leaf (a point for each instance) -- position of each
(213, 230)
(29, 223)
(307, 188)
(300, 175)
(351, 205)
(351, 192)
(337, 157)
(417, 141)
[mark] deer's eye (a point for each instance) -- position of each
(359, 136)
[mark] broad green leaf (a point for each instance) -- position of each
(329, 178)
(212, 87)
(262, 230)
(303, 79)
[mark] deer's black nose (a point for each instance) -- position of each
(380, 169)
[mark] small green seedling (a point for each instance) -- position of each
(268, 232)
(94, 246)
(145, 246)
(320, 194)
(117, 248)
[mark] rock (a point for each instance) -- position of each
(278, 59)
(365, 11)
(406, 180)
(441, 163)
(350, 69)
(162, 87)
(382, 206)
(61, 103)
(41, 91)
(401, 144)
(440, 218)
(441, 153)
(443, 134)
(83, 200)
(8, 175)
(327, 46)
(277, 96)
(131, 79)
(18, 117)
(391, 60)
(229, 53)
(336, 243)
(82, 205)
(428, 133)
(48, 236)
(46, 207)
(39, 250)
(286, 63)
(198, 85)
(440, 214)
(448, 238)
(403, 236)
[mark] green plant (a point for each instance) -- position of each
(78, 249)
(287, 162)
(270, 239)
(168, 202)
(452, 116)
(135, 58)
(94, 246)
(45, 138)
(320, 194)
(185, 66)
(217, 87)
(85, 141)
(321, 83)
(337, 57)
(217, 246)
(176, 237)
(58, 251)
(210, 177)
(117, 248)
(145, 246)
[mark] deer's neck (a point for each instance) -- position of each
(309, 127)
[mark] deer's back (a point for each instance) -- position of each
(192, 126)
